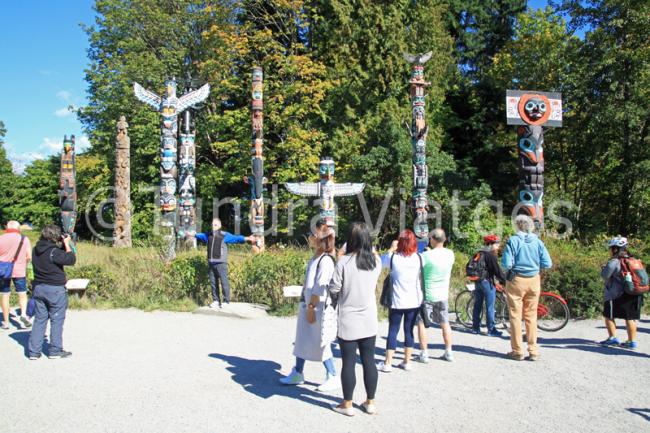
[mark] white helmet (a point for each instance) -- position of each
(618, 241)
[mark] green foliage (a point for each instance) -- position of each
(7, 176)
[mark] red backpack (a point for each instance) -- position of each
(635, 276)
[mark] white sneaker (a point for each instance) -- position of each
(386, 368)
(215, 304)
(330, 384)
(448, 356)
(294, 378)
(406, 366)
(423, 357)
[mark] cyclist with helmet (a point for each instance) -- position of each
(618, 304)
(486, 285)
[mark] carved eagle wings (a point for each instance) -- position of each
(313, 189)
(146, 96)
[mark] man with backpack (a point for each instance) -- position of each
(483, 269)
(626, 280)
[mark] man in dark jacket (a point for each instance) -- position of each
(217, 241)
(49, 292)
(486, 285)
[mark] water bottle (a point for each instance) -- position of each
(629, 285)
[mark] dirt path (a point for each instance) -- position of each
(174, 372)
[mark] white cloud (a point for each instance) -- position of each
(64, 112)
(63, 95)
(82, 144)
(51, 145)
(20, 161)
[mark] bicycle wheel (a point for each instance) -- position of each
(501, 316)
(462, 303)
(552, 313)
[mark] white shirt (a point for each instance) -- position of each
(407, 290)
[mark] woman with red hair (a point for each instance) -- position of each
(405, 266)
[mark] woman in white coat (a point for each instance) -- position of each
(309, 344)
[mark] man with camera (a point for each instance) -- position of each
(49, 293)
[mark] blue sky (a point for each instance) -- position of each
(43, 60)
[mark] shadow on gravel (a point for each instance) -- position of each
(622, 327)
(22, 338)
(587, 346)
(643, 413)
(260, 377)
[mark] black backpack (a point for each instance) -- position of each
(476, 268)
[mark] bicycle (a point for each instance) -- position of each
(552, 310)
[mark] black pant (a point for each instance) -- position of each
(219, 272)
(349, 356)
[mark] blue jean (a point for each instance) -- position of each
(218, 272)
(394, 320)
(485, 291)
(328, 363)
(20, 284)
(51, 304)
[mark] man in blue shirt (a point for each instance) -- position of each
(217, 241)
(524, 256)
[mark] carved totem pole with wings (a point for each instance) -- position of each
(68, 188)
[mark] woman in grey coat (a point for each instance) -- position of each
(354, 282)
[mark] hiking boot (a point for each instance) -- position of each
(61, 354)
(385, 368)
(629, 344)
(515, 356)
(293, 378)
(25, 322)
(611, 341)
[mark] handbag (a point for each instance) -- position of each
(7, 268)
(386, 298)
(426, 309)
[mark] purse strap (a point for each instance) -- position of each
(316, 275)
(20, 245)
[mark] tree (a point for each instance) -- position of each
(6, 175)
(34, 199)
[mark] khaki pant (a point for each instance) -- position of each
(522, 293)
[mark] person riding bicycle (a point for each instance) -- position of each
(618, 304)
(488, 273)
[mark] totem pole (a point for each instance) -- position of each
(68, 188)
(531, 110)
(122, 231)
(256, 180)
(169, 106)
(418, 130)
(187, 190)
(326, 189)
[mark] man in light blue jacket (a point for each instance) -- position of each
(524, 256)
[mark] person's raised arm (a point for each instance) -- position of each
(202, 237)
(609, 269)
(67, 258)
(229, 238)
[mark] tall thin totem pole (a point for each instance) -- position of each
(122, 231)
(532, 110)
(418, 131)
(68, 188)
(187, 191)
(169, 106)
(326, 189)
(256, 179)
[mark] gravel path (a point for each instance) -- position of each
(175, 372)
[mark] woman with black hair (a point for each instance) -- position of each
(355, 282)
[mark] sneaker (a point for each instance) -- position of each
(533, 357)
(448, 356)
(347, 411)
(293, 378)
(423, 357)
(515, 356)
(330, 384)
(476, 331)
(5, 326)
(25, 321)
(495, 333)
(61, 354)
(215, 304)
(629, 344)
(34, 357)
(611, 341)
(406, 366)
(386, 368)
